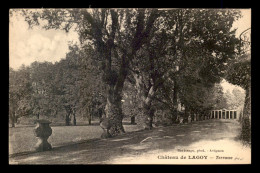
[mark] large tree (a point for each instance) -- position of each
(239, 73)
(42, 80)
(149, 70)
(187, 48)
(19, 93)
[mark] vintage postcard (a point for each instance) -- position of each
(129, 86)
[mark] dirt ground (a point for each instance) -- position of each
(203, 142)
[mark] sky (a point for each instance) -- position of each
(244, 22)
(29, 45)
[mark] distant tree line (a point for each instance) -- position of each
(63, 89)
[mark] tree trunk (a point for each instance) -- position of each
(69, 111)
(247, 106)
(192, 115)
(114, 113)
(13, 119)
(186, 115)
(100, 113)
(149, 115)
(74, 119)
(146, 98)
(67, 120)
(148, 111)
(175, 103)
(246, 119)
(133, 120)
(89, 119)
(113, 109)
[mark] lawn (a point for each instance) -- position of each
(22, 139)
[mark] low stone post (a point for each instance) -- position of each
(189, 119)
(42, 131)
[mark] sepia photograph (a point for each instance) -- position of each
(135, 86)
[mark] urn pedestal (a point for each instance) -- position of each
(42, 131)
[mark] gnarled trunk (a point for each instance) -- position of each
(146, 98)
(113, 112)
(113, 109)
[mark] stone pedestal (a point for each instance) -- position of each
(42, 131)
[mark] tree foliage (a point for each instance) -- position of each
(164, 56)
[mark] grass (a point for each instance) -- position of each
(22, 139)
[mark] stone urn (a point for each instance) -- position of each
(42, 131)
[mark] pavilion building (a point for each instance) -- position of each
(224, 114)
